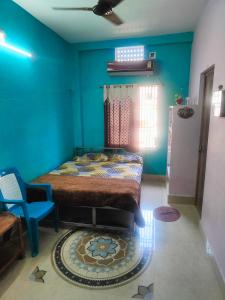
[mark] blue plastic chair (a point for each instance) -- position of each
(14, 199)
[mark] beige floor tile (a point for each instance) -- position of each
(180, 268)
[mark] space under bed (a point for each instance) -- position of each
(97, 189)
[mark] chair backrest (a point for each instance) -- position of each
(10, 186)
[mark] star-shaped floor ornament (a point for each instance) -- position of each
(145, 292)
(38, 275)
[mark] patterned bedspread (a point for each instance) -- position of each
(105, 169)
(70, 191)
(110, 181)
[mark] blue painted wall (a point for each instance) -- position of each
(41, 118)
(173, 60)
(36, 121)
(75, 76)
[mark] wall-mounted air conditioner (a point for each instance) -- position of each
(131, 68)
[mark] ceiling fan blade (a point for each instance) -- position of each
(113, 18)
(111, 3)
(74, 8)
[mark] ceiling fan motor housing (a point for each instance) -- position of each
(102, 9)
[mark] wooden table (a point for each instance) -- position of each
(9, 250)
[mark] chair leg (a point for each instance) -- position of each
(29, 233)
(56, 219)
(35, 237)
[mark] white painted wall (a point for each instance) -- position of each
(209, 49)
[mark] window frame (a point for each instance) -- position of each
(138, 52)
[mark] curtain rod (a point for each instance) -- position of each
(116, 86)
(127, 85)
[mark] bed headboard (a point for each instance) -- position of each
(83, 150)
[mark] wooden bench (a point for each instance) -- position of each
(9, 249)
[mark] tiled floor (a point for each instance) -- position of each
(180, 268)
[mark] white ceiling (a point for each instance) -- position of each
(142, 18)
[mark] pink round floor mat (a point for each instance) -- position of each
(166, 214)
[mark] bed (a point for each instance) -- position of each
(103, 187)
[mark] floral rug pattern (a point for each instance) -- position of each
(100, 259)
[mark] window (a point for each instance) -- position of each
(148, 132)
(131, 116)
(135, 53)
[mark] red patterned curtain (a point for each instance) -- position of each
(121, 117)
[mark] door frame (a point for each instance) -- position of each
(202, 102)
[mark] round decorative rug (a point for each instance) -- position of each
(166, 214)
(100, 259)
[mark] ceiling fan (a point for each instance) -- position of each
(103, 9)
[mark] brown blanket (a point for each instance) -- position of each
(95, 192)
